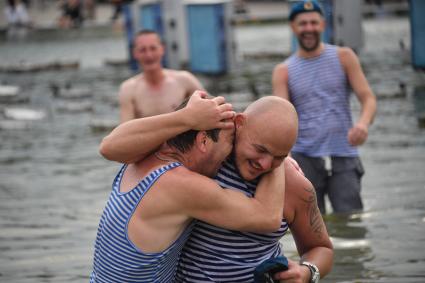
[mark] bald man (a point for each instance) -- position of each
(213, 254)
(150, 211)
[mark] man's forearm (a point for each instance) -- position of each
(368, 111)
(322, 257)
(270, 193)
(135, 139)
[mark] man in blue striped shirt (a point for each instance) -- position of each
(263, 138)
(318, 79)
(148, 216)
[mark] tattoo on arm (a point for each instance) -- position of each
(315, 218)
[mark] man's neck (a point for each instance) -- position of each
(154, 77)
(311, 54)
(170, 156)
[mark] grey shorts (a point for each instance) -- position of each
(342, 183)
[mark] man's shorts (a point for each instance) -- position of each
(339, 179)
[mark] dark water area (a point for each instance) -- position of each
(54, 183)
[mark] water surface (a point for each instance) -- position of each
(54, 184)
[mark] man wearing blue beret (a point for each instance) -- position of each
(318, 79)
(303, 7)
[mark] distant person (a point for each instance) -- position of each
(318, 80)
(16, 14)
(27, 3)
(148, 216)
(72, 14)
(264, 135)
(18, 20)
(379, 9)
(155, 90)
(374, 2)
(89, 9)
(116, 9)
(240, 7)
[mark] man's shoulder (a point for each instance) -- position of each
(282, 67)
(184, 79)
(129, 84)
(299, 194)
(179, 75)
(136, 79)
(345, 53)
(296, 183)
(173, 72)
(183, 177)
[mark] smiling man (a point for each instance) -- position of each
(156, 90)
(148, 216)
(264, 135)
(318, 79)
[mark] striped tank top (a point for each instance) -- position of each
(320, 92)
(116, 258)
(213, 254)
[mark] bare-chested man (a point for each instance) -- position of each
(156, 90)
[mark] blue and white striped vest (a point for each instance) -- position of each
(320, 92)
(213, 254)
(116, 258)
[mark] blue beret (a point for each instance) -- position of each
(303, 7)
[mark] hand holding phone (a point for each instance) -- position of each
(265, 271)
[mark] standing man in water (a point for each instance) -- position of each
(264, 135)
(156, 90)
(318, 80)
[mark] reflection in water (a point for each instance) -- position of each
(352, 248)
(419, 100)
(346, 226)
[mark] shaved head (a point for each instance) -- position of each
(274, 115)
(265, 134)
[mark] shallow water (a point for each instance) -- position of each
(54, 184)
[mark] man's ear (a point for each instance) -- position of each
(201, 141)
(239, 120)
(133, 51)
(323, 24)
(163, 49)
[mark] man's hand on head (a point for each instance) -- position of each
(206, 113)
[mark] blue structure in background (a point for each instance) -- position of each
(128, 19)
(197, 34)
(151, 18)
(327, 7)
(417, 28)
(207, 40)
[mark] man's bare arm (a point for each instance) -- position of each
(314, 246)
(191, 83)
(307, 227)
(127, 107)
(135, 139)
(231, 209)
(358, 134)
(280, 81)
